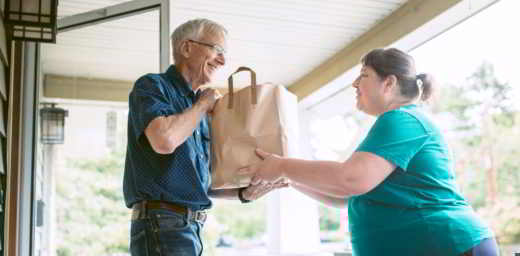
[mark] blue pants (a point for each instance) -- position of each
(487, 247)
(165, 233)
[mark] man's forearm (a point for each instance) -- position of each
(167, 133)
(181, 126)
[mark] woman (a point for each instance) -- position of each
(399, 183)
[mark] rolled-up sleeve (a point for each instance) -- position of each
(395, 136)
(147, 101)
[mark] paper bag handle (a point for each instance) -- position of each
(253, 86)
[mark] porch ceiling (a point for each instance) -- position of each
(281, 39)
(302, 44)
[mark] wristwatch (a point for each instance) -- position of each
(241, 196)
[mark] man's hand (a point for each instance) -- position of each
(207, 99)
(254, 192)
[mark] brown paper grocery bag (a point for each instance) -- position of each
(258, 116)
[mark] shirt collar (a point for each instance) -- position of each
(179, 81)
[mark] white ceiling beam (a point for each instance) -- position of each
(79, 88)
(106, 14)
(404, 21)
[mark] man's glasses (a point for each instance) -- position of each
(218, 49)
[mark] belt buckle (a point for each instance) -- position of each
(136, 214)
(200, 216)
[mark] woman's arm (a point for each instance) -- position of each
(325, 199)
(359, 174)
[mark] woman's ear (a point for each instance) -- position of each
(390, 83)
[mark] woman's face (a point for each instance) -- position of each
(369, 91)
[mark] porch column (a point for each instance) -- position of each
(292, 220)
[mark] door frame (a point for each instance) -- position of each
(24, 115)
(123, 10)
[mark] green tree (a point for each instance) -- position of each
(91, 216)
(329, 218)
(242, 221)
(485, 144)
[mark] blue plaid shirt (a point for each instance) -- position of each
(182, 177)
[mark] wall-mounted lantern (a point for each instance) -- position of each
(31, 20)
(52, 126)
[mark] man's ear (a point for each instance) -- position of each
(185, 49)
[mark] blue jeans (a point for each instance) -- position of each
(487, 247)
(165, 233)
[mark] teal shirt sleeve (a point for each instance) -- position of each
(395, 136)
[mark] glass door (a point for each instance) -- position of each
(100, 51)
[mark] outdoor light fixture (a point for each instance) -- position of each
(31, 20)
(52, 124)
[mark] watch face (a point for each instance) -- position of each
(241, 195)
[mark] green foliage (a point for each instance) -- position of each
(242, 221)
(486, 148)
(506, 119)
(329, 218)
(91, 211)
(112, 164)
(450, 101)
(90, 208)
(64, 252)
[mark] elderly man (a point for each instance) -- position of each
(167, 169)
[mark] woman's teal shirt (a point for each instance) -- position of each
(417, 209)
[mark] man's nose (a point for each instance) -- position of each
(221, 59)
(355, 84)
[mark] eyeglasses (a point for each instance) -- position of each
(218, 49)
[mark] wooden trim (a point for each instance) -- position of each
(3, 42)
(3, 82)
(14, 152)
(403, 21)
(2, 7)
(2, 119)
(2, 172)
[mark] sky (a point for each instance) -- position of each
(491, 35)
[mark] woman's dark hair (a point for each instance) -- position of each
(395, 62)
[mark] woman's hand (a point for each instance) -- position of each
(269, 170)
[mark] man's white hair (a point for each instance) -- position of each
(194, 29)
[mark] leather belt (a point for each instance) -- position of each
(139, 210)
